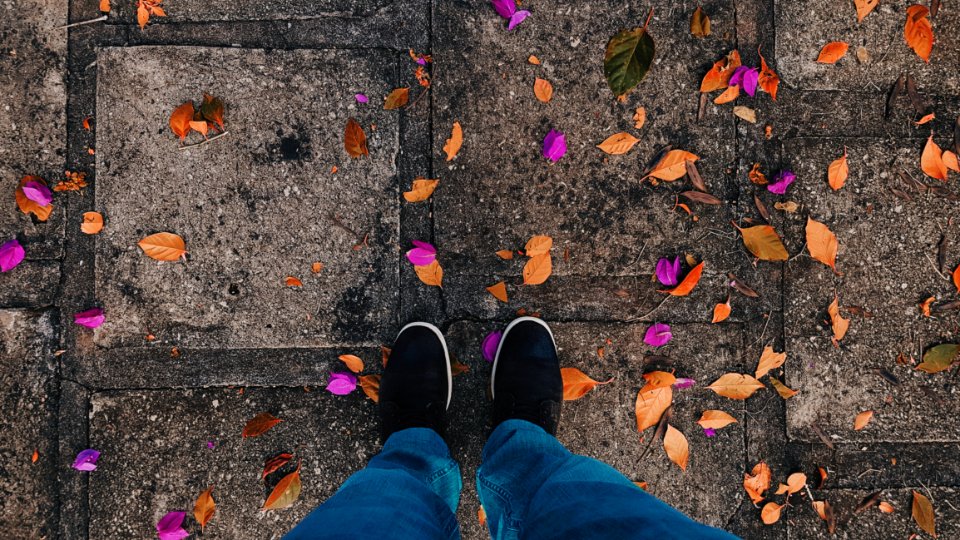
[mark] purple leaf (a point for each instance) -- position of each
(490, 344)
(684, 382)
(423, 254)
(517, 18)
(709, 432)
(781, 182)
(38, 193)
(169, 526)
(90, 318)
(361, 98)
(658, 335)
(341, 383)
(554, 145)
(211, 444)
(668, 273)
(11, 253)
(747, 78)
(505, 8)
(86, 460)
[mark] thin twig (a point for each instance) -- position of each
(764, 331)
(203, 142)
(418, 98)
(647, 314)
(81, 23)
(935, 269)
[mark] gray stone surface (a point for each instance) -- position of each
(252, 10)
(28, 389)
(254, 206)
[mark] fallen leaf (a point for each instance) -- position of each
(837, 171)
(453, 144)
(700, 197)
(769, 360)
(831, 52)
(756, 176)
(790, 207)
(180, 120)
(922, 512)
(627, 59)
(505, 254)
(675, 444)
(259, 424)
(950, 161)
(639, 118)
(838, 323)
(918, 32)
(925, 306)
(721, 311)
(719, 75)
(456, 368)
(92, 223)
(931, 161)
(618, 143)
(862, 420)
(885, 507)
(28, 205)
(782, 389)
(354, 363)
(822, 243)
(746, 113)
(537, 269)
(956, 278)
(354, 139)
(212, 110)
(715, 419)
(533, 60)
(274, 463)
(699, 23)
(863, 56)
(431, 274)
(768, 80)
(796, 482)
(689, 282)
(163, 246)
(926, 118)
(292, 281)
(543, 90)
(939, 358)
(200, 126)
(396, 99)
(421, 190)
(370, 384)
(728, 95)
(764, 243)
(285, 493)
(499, 291)
(204, 507)
(652, 401)
(672, 165)
(770, 513)
(736, 386)
(316, 267)
(577, 383)
(864, 7)
(757, 482)
(105, 6)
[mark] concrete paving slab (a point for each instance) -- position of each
(255, 207)
(31, 284)
(194, 11)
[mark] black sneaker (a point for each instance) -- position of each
(417, 384)
(526, 382)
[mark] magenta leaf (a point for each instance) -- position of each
(211, 444)
(554, 146)
(658, 335)
(86, 460)
(668, 272)
(11, 253)
(490, 344)
(361, 98)
(747, 78)
(169, 527)
(684, 382)
(505, 8)
(709, 432)
(517, 18)
(90, 318)
(38, 193)
(341, 383)
(781, 182)
(423, 254)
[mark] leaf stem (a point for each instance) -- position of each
(203, 142)
(649, 16)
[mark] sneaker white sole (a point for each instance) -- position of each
(446, 354)
(496, 358)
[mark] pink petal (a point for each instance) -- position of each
(423, 254)
(169, 527)
(505, 8)
(361, 98)
(11, 253)
(341, 383)
(684, 383)
(554, 145)
(38, 193)
(517, 18)
(86, 460)
(658, 335)
(490, 344)
(90, 318)
(709, 432)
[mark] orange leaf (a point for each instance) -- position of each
(370, 384)
(672, 165)
(212, 110)
(354, 139)
(481, 513)
(922, 512)
(180, 120)
(864, 7)
(721, 311)
(918, 32)
(728, 95)
(768, 79)
(931, 161)
(689, 282)
(200, 126)
(316, 267)
(499, 291)
(105, 6)
(764, 243)
(823, 509)
(204, 507)
(354, 363)
(757, 481)
(430, 274)
(770, 513)
(714, 419)
(163, 246)
(537, 269)
(533, 60)
(885, 507)
(735, 386)
(456, 368)
(143, 15)
(956, 278)
(831, 52)
(421, 190)
(543, 90)
(505, 254)
(821, 243)
(259, 424)
(652, 401)
(926, 118)
(396, 99)
(453, 144)
(839, 324)
(699, 23)
(756, 176)
(950, 161)
(659, 379)
(769, 360)
(675, 444)
(862, 420)
(92, 223)
(618, 143)
(286, 492)
(538, 245)
(639, 118)
(837, 171)
(782, 389)
(28, 206)
(576, 383)
(275, 463)
(293, 282)
(795, 482)
(719, 75)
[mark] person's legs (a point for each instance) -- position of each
(412, 488)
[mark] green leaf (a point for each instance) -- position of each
(627, 60)
(939, 358)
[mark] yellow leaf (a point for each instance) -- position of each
(354, 363)
(764, 243)
(639, 118)
(675, 444)
(862, 420)
(757, 481)
(822, 243)
(721, 311)
(204, 507)
(837, 171)
(931, 161)
(163, 246)
(421, 190)
(735, 386)
(543, 90)
(832, 52)
(672, 165)
(770, 513)
(922, 512)
(430, 274)
(92, 223)
(918, 32)
(769, 360)
(499, 291)
(370, 384)
(652, 401)
(864, 7)
(576, 383)
(618, 143)
(396, 99)
(714, 419)
(782, 389)
(354, 139)
(452, 146)
(538, 245)
(286, 492)
(700, 23)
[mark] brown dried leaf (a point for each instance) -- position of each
(354, 139)
(399, 97)
(259, 424)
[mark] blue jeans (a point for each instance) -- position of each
(530, 486)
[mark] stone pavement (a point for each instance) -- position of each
(229, 340)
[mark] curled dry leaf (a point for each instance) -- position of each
(931, 161)
(92, 223)
(700, 197)
(353, 363)
(769, 360)
(285, 493)
(822, 243)
(831, 52)
(721, 311)
(756, 176)
(396, 99)
(576, 383)
(837, 322)
(922, 512)
(676, 447)
(259, 424)
(770, 513)
(354, 139)
(768, 80)
(745, 113)
(838, 171)
(499, 291)
(537, 269)
(918, 32)
(163, 246)
(274, 463)
(453, 144)
(864, 7)
(639, 118)
(700, 23)
(782, 389)
(618, 143)
(789, 207)
(672, 165)
(421, 190)
(719, 75)
(728, 95)
(714, 419)
(735, 386)
(370, 384)
(543, 90)
(757, 482)
(689, 282)
(180, 120)
(764, 243)
(431, 274)
(204, 508)
(862, 420)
